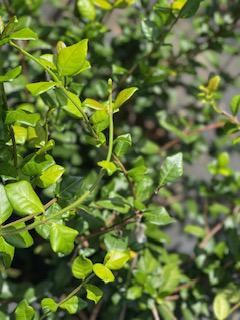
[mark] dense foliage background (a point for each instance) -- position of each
(183, 58)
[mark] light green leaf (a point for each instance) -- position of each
(86, 9)
(62, 238)
(123, 96)
(5, 206)
(40, 87)
(122, 144)
(24, 311)
(22, 117)
(93, 104)
(24, 34)
(71, 305)
(23, 198)
(6, 253)
(71, 59)
(81, 267)
(50, 176)
(195, 230)
(158, 216)
(20, 134)
(171, 169)
(116, 259)
(170, 278)
(134, 292)
(72, 105)
(100, 120)
(49, 304)
(108, 166)
(221, 306)
(93, 293)
(103, 4)
(103, 273)
(235, 104)
(11, 74)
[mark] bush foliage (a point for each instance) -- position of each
(119, 127)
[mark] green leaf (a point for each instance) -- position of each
(6, 253)
(171, 169)
(235, 104)
(20, 134)
(190, 8)
(170, 278)
(123, 96)
(23, 198)
(72, 105)
(93, 293)
(134, 292)
(20, 239)
(103, 4)
(5, 206)
(103, 273)
(122, 144)
(116, 259)
(221, 306)
(71, 305)
(158, 216)
(86, 9)
(195, 230)
(49, 305)
(22, 117)
(62, 238)
(24, 34)
(71, 59)
(35, 164)
(93, 104)
(39, 87)
(100, 120)
(108, 166)
(81, 267)
(49, 176)
(11, 74)
(24, 311)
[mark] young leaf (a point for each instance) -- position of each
(103, 273)
(71, 305)
(40, 87)
(108, 166)
(171, 169)
(20, 134)
(103, 4)
(116, 259)
(5, 206)
(122, 144)
(93, 293)
(6, 253)
(11, 74)
(71, 59)
(123, 96)
(49, 305)
(86, 9)
(100, 120)
(24, 311)
(50, 176)
(24, 34)
(158, 216)
(221, 306)
(235, 104)
(22, 117)
(62, 238)
(72, 105)
(93, 104)
(81, 267)
(23, 198)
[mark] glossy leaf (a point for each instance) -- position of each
(116, 259)
(22, 117)
(23, 198)
(190, 8)
(49, 176)
(71, 305)
(20, 239)
(109, 166)
(93, 104)
(86, 9)
(72, 105)
(103, 4)
(5, 205)
(235, 104)
(81, 267)
(93, 293)
(62, 238)
(172, 168)
(20, 134)
(24, 34)
(122, 144)
(103, 273)
(123, 96)
(38, 88)
(36, 164)
(71, 59)
(49, 305)
(158, 216)
(11, 74)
